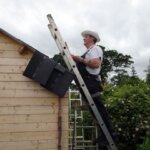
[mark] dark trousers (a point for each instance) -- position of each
(104, 114)
(94, 86)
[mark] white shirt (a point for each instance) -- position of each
(94, 52)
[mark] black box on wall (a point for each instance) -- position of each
(49, 73)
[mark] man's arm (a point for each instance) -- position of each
(92, 63)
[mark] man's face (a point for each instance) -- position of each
(88, 39)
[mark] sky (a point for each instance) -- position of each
(122, 25)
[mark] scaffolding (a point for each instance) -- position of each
(79, 131)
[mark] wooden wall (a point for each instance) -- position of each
(28, 112)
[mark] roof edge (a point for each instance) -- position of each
(18, 40)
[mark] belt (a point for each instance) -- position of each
(97, 77)
(91, 75)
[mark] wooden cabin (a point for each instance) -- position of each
(28, 112)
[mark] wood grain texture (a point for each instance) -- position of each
(28, 112)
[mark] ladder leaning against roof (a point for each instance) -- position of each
(62, 46)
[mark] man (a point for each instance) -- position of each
(89, 66)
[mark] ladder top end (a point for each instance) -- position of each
(49, 16)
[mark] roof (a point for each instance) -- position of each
(17, 40)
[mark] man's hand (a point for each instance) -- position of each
(77, 58)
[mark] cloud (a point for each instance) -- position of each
(122, 25)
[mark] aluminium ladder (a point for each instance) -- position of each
(62, 46)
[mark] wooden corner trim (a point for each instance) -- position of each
(22, 49)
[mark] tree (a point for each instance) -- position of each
(120, 78)
(148, 73)
(58, 58)
(113, 61)
(146, 144)
(129, 106)
(133, 72)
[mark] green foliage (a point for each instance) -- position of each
(148, 74)
(133, 72)
(129, 106)
(114, 62)
(121, 77)
(87, 121)
(58, 58)
(146, 144)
